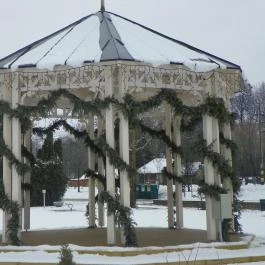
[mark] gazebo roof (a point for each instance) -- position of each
(106, 36)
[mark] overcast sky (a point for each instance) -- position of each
(231, 29)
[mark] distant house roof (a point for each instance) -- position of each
(156, 166)
(106, 36)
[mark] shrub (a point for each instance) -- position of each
(66, 256)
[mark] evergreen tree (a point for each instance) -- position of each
(48, 173)
(75, 157)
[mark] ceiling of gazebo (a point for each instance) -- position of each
(105, 36)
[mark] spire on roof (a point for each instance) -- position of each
(110, 41)
(102, 5)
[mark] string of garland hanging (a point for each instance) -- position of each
(99, 145)
(229, 144)
(11, 208)
(130, 108)
(161, 134)
(211, 190)
(170, 175)
(218, 162)
(21, 168)
(123, 217)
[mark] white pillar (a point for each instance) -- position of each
(217, 178)
(170, 202)
(101, 171)
(7, 171)
(16, 149)
(110, 171)
(91, 165)
(124, 154)
(209, 172)
(177, 171)
(27, 180)
(227, 183)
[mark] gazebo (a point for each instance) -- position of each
(105, 56)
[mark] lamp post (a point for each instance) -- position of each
(44, 199)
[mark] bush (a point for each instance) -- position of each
(66, 256)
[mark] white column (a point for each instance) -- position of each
(7, 171)
(124, 154)
(170, 202)
(212, 228)
(110, 171)
(27, 179)
(16, 149)
(177, 171)
(217, 178)
(227, 183)
(101, 171)
(91, 165)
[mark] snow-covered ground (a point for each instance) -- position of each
(248, 193)
(61, 217)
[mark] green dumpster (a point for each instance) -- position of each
(262, 205)
(147, 191)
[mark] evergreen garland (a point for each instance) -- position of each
(122, 216)
(211, 190)
(219, 162)
(131, 109)
(28, 155)
(99, 146)
(5, 151)
(91, 173)
(215, 107)
(229, 144)
(161, 134)
(237, 206)
(12, 208)
(172, 176)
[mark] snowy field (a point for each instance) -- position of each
(248, 193)
(54, 217)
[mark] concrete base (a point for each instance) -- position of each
(146, 237)
(97, 237)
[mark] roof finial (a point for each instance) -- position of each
(102, 5)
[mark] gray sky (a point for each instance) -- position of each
(231, 29)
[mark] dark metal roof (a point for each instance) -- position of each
(110, 41)
(111, 37)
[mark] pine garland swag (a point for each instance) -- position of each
(122, 217)
(12, 208)
(169, 175)
(131, 109)
(219, 162)
(213, 191)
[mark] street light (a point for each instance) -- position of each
(44, 193)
